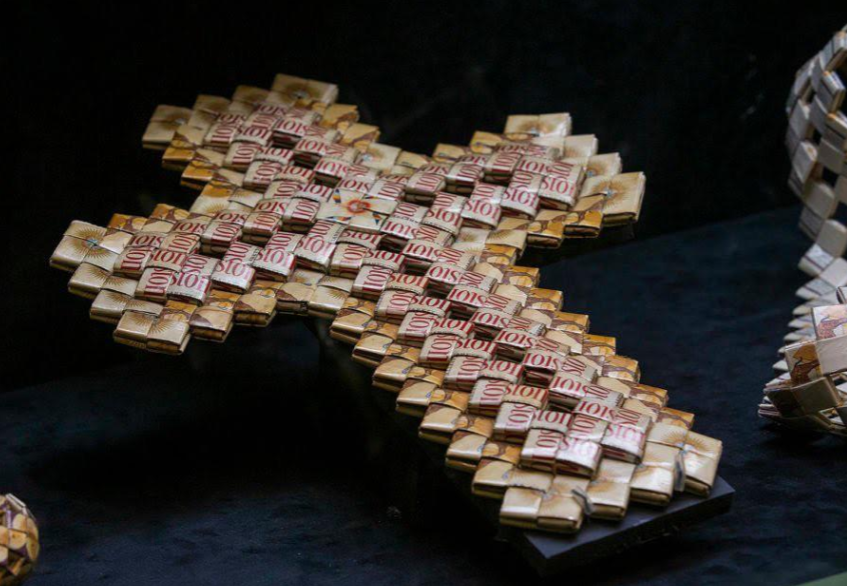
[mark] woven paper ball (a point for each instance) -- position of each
(19, 545)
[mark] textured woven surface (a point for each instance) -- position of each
(808, 392)
(415, 259)
(276, 512)
(299, 200)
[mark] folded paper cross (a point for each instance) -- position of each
(414, 259)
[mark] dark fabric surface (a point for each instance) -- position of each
(252, 463)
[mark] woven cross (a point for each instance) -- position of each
(414, 259)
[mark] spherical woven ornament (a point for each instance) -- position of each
(19, 545)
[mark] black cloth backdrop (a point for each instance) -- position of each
(692, 93)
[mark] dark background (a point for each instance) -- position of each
(692, 93)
